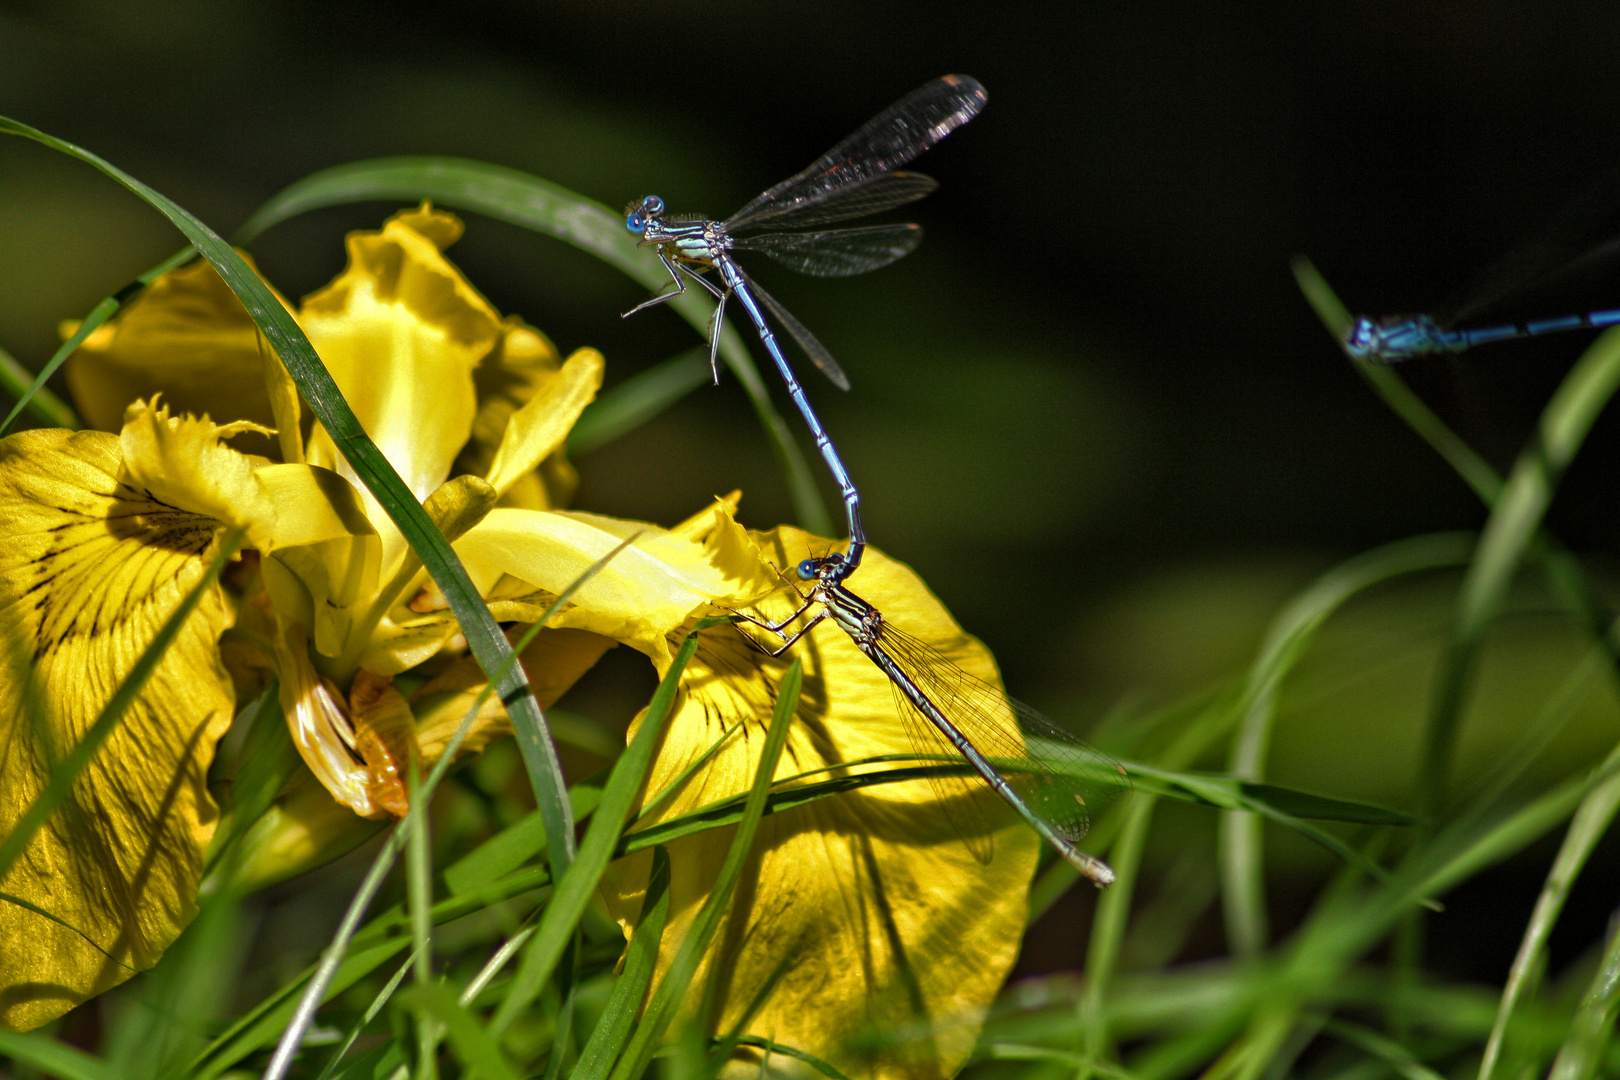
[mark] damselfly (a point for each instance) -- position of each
(1561, 261)
(855, 178)
(1055, 781)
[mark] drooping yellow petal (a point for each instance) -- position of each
(885, 938)
(646, 591)
(91, 564)
(539, 428)
(401, 332)
(186, 337)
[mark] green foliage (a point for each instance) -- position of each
(495, 964)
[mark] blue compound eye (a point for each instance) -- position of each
(652, 204)
(807, 569)
(636, 223)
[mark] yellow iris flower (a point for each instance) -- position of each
(863, 913)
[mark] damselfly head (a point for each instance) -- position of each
(638, 216)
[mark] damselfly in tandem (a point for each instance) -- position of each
(855, 178)
(1052, 779)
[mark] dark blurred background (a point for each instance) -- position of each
(1093, 409)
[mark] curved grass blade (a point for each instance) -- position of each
(367, 1017)
(67, 771)
(103, 311)
(31, 394)
(666, 1000)
(532, 203)
(1582, 1054)
(1515, 520)
(482, 632)
(1474, 470)
(1242, 870)
(808, 1058)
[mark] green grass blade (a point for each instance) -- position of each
(1515, 519)
(667, 998)
(1108, 925)
(473, 1045)
(1581, 1055)
(577, 887)
(637, 400)
(103, 311)
(381, 999)
(53, 1058)
(483, 633)
(1239, 852)
(1591, 821)
(809, 1059)
(532, 203)
(65, 773)
(47, 408)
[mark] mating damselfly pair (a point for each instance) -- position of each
(1053, 780)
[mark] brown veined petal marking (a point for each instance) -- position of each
(90, 567)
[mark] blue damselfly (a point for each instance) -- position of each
(855, 178)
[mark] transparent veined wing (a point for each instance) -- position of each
(873, 196)
(1061, 779)
(886, 142)
(813, 348)
(836, 252)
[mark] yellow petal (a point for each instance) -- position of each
(401, 331)
(187, 337)
(183, 461)
(645, 592)
(539, 428)
(90, 567)
(861, 902)
(520, 366)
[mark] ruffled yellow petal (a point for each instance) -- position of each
(860, 904)
(401, 332)
(183, 461)
(91, 564)
(186, 337)
(645, 592)
(539, 428)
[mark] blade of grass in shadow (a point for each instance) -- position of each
(67, 771)
(641, 957)
(532, 203)
(1514, 521)
(637, 400)
(671, 991)
(482, 632)
(52, 1057)
(1290, 634)
(578, 885)
(103, 311)
(47, 408)
(1474, 470)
